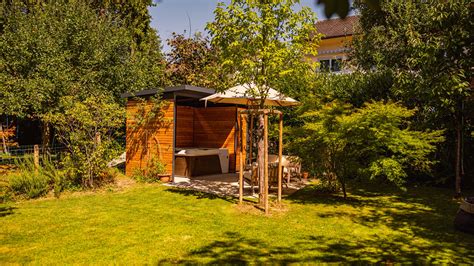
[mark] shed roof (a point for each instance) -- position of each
(183, 90)
(332, 28)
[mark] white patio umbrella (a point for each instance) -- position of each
(241, 94)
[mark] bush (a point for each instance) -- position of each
(30, 183)
(373, 141)
(5, 191)
(87, 127)
(150, 173)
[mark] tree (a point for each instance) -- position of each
(428, 48)
(193, 61)
(65, 48)
(261, 42)
(373, 141)
(86, 127)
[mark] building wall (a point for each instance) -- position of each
(215, 128)
(184, 127)
(154, 138)
(334, 48)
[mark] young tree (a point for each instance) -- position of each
(428, 47)
(86, 127)
(262, 42)
(373, 141)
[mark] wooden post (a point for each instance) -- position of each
(36, 156)
(241, 162)
(265, 168)
(251, 139)
(97, 138)
(4, 142)
(280, 157)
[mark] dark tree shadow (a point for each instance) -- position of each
(427, 212)
(6, 210)
(420, 222)
(200, 194)
(233, 248)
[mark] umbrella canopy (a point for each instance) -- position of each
(241, 95)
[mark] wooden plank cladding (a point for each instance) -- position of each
(184, 126)
(213, 127)
(147, 139)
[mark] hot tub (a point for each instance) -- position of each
(191, 162)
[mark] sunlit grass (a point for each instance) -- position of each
(153, 223)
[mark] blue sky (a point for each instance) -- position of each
(181, 15)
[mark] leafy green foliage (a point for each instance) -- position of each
(427, 48)
(66, 63)
(59, 50)
(194, 61)
(31, 182)
(373, 141)
(87, 129)
(262, 42)
(151, 172)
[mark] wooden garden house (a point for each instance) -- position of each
(189, 136)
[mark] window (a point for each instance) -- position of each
(336, 65)
(330, 65)
(324, 65)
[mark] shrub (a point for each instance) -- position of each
(373, 141)
(5, 191)
(87, 128)
(30, 182)
(150, 173)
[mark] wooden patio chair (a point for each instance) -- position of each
(290, 165)
(273, 175)
(251, 175)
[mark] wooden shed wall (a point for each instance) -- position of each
(184, 126)
(154, 138)
(215, 128)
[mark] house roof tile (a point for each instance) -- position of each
(332, 28)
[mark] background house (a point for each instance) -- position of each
(334, 45)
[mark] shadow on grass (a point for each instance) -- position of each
(420, 223)
(6, 210)
(200, 194)
(424, 212)
(233, 248)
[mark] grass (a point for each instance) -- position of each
(156, 224)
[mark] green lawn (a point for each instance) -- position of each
(154, 223)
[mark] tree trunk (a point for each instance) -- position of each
(260, 159)
(45, 137)
(458, 159)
